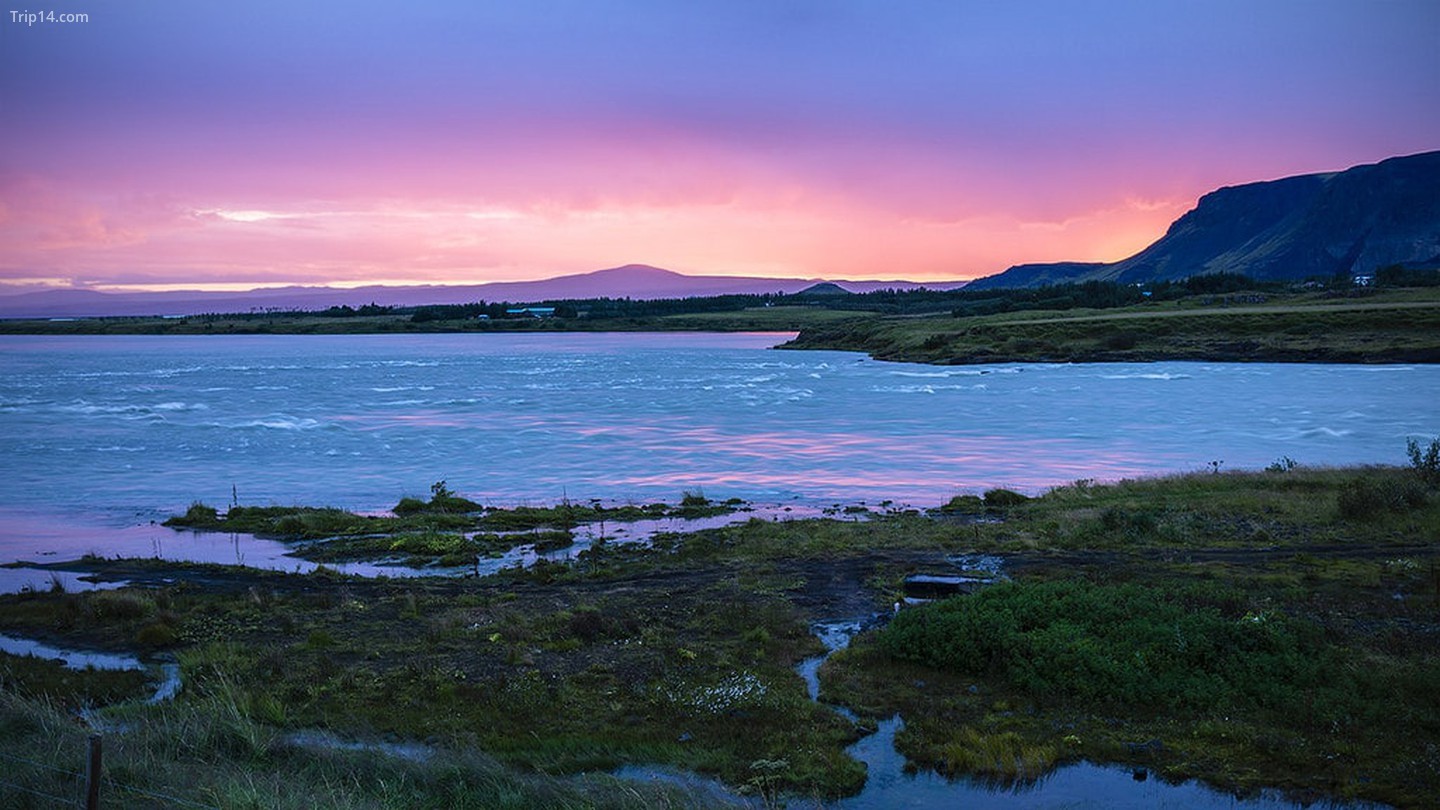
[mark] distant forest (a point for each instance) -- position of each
(960, 303)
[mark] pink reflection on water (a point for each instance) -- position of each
(36, 539)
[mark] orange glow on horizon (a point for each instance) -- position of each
(245, 247)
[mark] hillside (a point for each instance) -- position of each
(1346, 223)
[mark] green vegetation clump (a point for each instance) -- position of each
(1425, 462)
(1185, 649)
(963, 505)
(408, 506)
(158, 634)
(993, 502)
(443, 500)
(1363, 497)
(198, 516)
(1000, 499)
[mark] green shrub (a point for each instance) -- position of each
(1181, 649)
(586, 624)
(1130, 522)
(408, 506)
(158, 634)
(454, 504)
(444, 499)
(121, 605)
(1003, 499)
(964, 505)
(1426, 462)
(1120, 341)
(1365, 497)
(198, 516)
(1283, 464)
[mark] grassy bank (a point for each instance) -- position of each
(1394, 327)
(1255, 629)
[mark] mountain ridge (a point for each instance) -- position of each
(1349, 222)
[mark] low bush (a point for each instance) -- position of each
(1003, 499)
(1365, 497)
(121, 605)
(158, 634)
(198, 516)
(1425, 462)
(1120, 341)
(1186, 649)
(963, 505)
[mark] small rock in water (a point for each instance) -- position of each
(1140, 775)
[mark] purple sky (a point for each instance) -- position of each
(197, 144)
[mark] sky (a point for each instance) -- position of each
(162, 144)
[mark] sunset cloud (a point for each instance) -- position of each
(180, 143)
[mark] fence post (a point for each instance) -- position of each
(92, 775)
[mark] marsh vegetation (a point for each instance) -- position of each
(1247, 628)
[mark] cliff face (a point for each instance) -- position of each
(1351, 222)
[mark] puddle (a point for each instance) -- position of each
(73, 659)
(709, 792)
(26, 580)
(316, 739)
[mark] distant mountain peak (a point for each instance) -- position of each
(635, 270)
(825, 288)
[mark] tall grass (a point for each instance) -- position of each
(212, 753)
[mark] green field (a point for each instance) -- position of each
(1398, 327)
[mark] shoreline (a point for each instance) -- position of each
(1364, 327)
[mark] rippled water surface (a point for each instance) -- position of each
(116, 431)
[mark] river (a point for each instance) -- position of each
(101, 433)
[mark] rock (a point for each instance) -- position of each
(937, 586)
